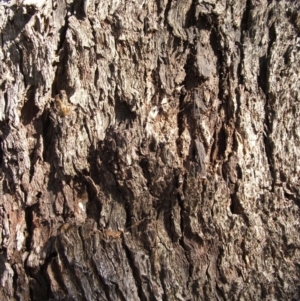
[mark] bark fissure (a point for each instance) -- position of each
(135, 271)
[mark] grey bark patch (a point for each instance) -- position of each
(200, 156)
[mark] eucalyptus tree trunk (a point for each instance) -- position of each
(149, 150)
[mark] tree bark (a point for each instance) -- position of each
(149, 150)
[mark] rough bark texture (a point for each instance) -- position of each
(149, 150)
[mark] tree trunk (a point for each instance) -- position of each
(149, 150)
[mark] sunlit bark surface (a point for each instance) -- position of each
(149, 150)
